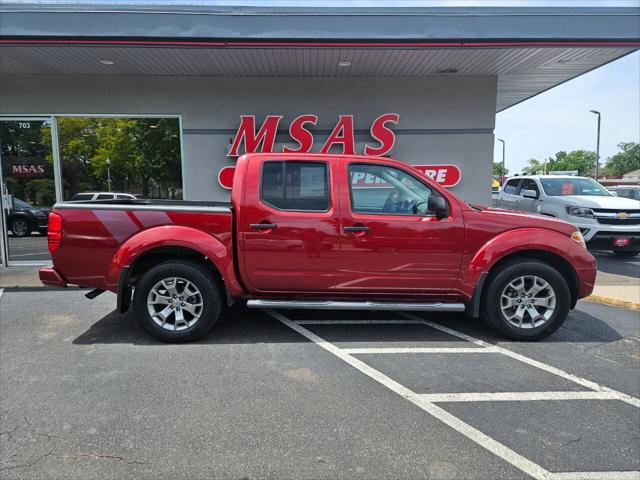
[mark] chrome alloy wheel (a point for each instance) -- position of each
(175, 303)
(528, 302)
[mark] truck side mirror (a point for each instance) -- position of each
(530, 194)
(438, 206)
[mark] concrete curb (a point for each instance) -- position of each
(616, 302)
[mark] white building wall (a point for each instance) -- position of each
(442, 119)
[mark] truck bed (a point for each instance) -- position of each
(98, 235)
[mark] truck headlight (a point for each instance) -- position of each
(580, 212)
(578, 238)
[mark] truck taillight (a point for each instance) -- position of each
(54, 233)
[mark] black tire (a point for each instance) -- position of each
(200, 278)
(507, 273)
(626, 253)
(20, 227)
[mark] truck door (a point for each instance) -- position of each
(391, 243)
(508, 196)
(289, 226)
(528, 204)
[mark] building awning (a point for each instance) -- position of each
(529, 50)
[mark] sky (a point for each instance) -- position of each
(559, 119)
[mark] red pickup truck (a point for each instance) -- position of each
(321, 232)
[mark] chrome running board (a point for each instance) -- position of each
(340, 305)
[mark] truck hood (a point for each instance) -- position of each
(523, 220)
(591, 201)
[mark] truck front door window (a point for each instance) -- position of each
(379, 189)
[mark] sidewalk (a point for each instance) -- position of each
(618, 290)
(19, 277)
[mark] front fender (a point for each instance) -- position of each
(528, 239)
(217, 252)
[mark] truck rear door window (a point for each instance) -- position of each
(298, 186)
(512, 187)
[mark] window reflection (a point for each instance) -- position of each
(135, 156)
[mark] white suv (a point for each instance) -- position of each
(606, 221)
(89, 196)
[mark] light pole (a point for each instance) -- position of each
(108, 162)
(503, 169)
(595, 112)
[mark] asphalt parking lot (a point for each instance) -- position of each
(609, 263)
(287, 394)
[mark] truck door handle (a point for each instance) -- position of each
(263, 226)
(356, 228)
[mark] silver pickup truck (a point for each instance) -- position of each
(606, 222)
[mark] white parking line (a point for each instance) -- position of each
(358, 351)
(426, 401)
(534, 363)
(515, 396)
(495, 447)
(597, 476)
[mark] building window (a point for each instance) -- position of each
(137, 156)
(299, 186)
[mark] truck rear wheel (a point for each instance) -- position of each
(526, 300)
(177, 301)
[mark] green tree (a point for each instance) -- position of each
(497, 169)
(78, 142)
(581, 160)
(625, 161)
(533, 166)
(142, 152)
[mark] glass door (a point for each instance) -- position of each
(28, 189)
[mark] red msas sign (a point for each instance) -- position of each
(342, 136)
(27, 170)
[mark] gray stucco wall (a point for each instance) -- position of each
(442, 120)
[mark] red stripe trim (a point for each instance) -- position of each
(551, 44)
(162, 43)
(343, 44)
(111, 42)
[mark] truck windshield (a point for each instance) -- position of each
(556, 187)
(20, 203)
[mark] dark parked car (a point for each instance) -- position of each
(24, 219)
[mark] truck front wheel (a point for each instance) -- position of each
(177, 301)
(526, 300)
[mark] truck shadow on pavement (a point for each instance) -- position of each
(240, 325)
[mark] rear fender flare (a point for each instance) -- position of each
(174, 236)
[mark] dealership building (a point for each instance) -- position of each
(430, 80)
